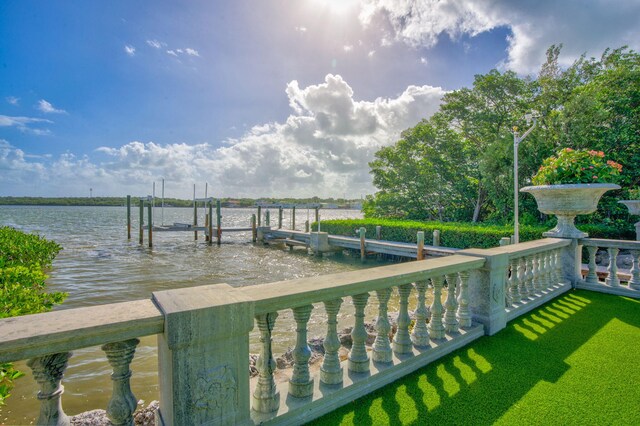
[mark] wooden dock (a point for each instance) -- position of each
(371, 246)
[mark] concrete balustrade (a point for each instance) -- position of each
(611, 279)
(203, 343)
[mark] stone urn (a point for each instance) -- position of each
(566, 202)
(634, 209)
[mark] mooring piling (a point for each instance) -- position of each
(141, 239)
(259, 215)
(363, 253)
(280, 210)
(218, 220)
(128, 217)
(293, 218)
(150, 226)
(420, 245)
(254, 229)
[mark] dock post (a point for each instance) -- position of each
(420, 245)
(254, 230)
(317, 215)
(128, 217)
(280, 217)
(195, 220)
(259, 216)
(293, 218)
(267, 218)
(378, 232)
(150, 226)
(206, 225)
(218, 220)
(436, 238)
(363, 253)
(141, 221)
(306, 226)
(211, 223)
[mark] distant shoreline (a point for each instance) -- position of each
(169, 202)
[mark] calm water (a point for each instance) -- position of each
(98, 265)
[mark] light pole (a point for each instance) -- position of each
(516, 142)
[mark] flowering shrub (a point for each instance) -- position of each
(577, 166)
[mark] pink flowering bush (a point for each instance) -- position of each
(577, 166)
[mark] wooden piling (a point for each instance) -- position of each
(317, 215)
(306, 226)
(141, 240)
(293, 218)
(218, 220)
(128, 217)
(280, 211)
(206, 225)
(436, 238)
(259, 216)
(195, 219)
(267, 218)
(150, 226)
(211, 223)
(363, 253)
(254, 229)
(420, 245)
(378, 232)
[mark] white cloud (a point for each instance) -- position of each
(172, 53)
(322, 148)
(371, 53)
(191, 52)
(580, 26)
(13, 100)
(301, 29)
(48, 108)
(130, 50)
(156, 44)
(423, 60)
(347, 47)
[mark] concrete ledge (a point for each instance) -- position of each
(547, 295)
(603, 288)
(327, 398)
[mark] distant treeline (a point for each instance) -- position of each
(169, 202)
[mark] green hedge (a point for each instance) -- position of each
(453, 234)
(22, 284)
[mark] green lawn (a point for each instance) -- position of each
(574, 361)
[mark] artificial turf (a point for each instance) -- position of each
(573, 361)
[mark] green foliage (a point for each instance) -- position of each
(467, 147)
(452, 234)
(22, 284)
(634, 194)
(577, 166)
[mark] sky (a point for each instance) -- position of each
(269, 98)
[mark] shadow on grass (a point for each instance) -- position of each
(478, 384)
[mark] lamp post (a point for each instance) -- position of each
(516, 142)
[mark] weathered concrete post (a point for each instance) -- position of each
(203, 355)
(420, 245)
(378, 232)
(261, 231)
(362, 232)
(319, 243)
(487, 301)
(254, 229)
(306, 226)
(505, 241)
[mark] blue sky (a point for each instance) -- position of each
(257, 98)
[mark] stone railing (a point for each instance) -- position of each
(614, 281)
(203, 334)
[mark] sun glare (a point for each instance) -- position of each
(336, 6)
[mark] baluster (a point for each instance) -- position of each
(451, 305)
(358, 357)
(513, 282)
(555, 278)
(551, 268)
(558, 266)
(265, 397)
(48, 371)
(435, 327)
(402, 340)
(464, 315)
(592, 275)
(529, 275)
(122, 404)
(522, 284)
(547, 270)
(612, 279)
(537, 283)
(420, 333)
(382, 345)
(301, 382)
(507, 287)
(331, 371)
